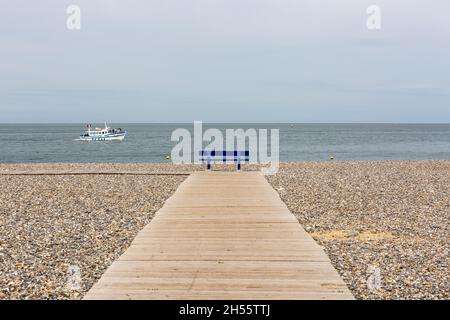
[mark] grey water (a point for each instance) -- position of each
(37, 143)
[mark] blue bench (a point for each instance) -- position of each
(224, 156)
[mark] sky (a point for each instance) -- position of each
(225, 61)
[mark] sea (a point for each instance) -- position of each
(55, 143)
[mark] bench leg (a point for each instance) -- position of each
(238, 164)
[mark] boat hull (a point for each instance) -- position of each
(106, 137)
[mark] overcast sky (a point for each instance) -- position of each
(225, 61)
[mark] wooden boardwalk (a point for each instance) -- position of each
(222, 235)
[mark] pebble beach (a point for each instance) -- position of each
(52, 227)
(384, 224)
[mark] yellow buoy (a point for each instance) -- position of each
(331, 158)
(167, 157)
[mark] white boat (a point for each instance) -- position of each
(105, 134)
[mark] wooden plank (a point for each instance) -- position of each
(220, 294)
(220, 269)
(222, 235)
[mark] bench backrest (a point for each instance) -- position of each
(224, 156)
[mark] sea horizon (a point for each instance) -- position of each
(151, 142)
